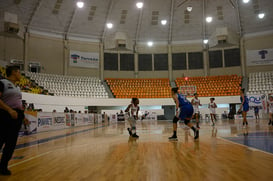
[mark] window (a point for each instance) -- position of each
(179, 61)
(110, 61)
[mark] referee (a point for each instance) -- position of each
(11, 115)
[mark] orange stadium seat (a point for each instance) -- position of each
(141, 88)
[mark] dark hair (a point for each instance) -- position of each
(212, 98)
(175, 89)
(11, 68)
(195, 94)
(243, 90)
(134, 99)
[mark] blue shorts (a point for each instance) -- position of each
(186, 112)
(245, 108)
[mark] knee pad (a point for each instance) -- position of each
(175, 119)
(186, 121)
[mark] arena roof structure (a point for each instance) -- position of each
(158, 20)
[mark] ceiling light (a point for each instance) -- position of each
(245, 1)
(163, 22)
(139, 5)
(261, 15)
(189, 8)
(109, 25)
(205, 41)
(80, 4)
(150, 43)
(209, 19)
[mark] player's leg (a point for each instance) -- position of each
(174, 136)
(188, 116)
(130, 128)
(211, 116)
(134, 128)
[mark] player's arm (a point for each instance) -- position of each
(243, 98)
(215, 105)
(192, 102)
(176, 101)
(209, 105)
(4, 106)
(128, 107)
(137, 112)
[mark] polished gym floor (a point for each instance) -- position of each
(226, 151)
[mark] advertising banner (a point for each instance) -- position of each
(84, 59)
(31, 116)
(45, 122)
(259, 57)
(59, 121)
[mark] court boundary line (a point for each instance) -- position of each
(31, 158)
(239, 144)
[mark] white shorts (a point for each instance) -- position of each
(195, 110)
(212, 111)
(271, 111)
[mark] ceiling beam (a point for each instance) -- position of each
(109, 9)
(239, 19)
(170, 33)
(140, 15)
(36, 8)
(68, 26)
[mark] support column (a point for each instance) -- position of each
(243, 56)
(101, 68)
(206, 62)
(26, 40)
(136, 65)
(66, 58)
(170, 68)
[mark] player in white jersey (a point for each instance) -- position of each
(195, 104)
(132, 110)
(270, 109)
(212, 108)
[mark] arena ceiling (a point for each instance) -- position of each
(63, 17)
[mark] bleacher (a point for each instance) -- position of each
(74, 86)
(260, 83)
(141, 88)
(26, 85)
(222, 85)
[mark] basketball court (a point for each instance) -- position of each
(106, 152)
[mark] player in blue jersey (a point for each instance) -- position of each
(244, 107)
(184, 111)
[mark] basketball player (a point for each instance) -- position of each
(184, 111)
(132, 110)
(270, 109)
(244, 107)
(196, 103)
(212, 108)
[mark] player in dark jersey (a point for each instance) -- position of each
(184, 111)
(244, 107)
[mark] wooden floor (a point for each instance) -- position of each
(108, 153)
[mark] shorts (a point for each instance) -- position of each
(196, 110)
(212, 111)
(186, 112)
(271, 111)
(245, 108)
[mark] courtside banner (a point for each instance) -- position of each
(257, 100)
(59, 120)
(78, 119)
(84, 59)
(32, 118)
(259, 57)
(45, 122)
